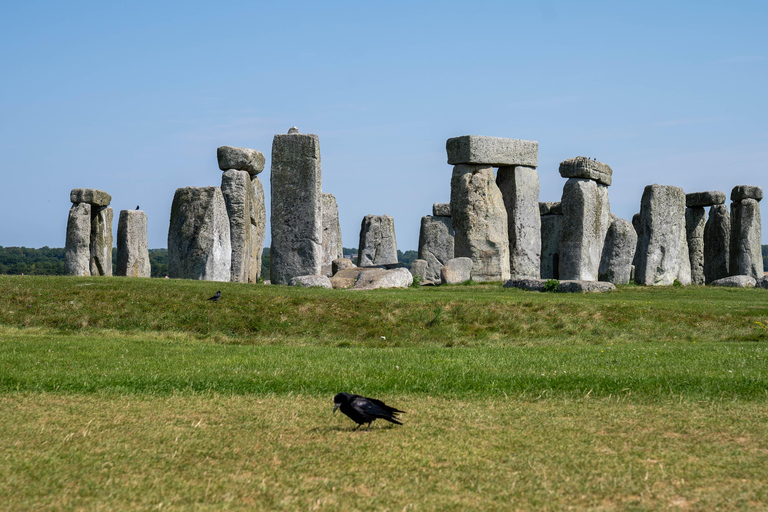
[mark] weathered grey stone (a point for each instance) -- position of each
(746, 256)
(736, 282)
(199, 246)
(695, 220)
(238, 193)
(332, 248)
(258, 229)
(533, 285)
(548, 208)
(717, 242)
(378, 245)
(762, 282)
(456, 271)
(519, 188)
(583, 167)
(375, 278)
(241, 159)
(492, 151)
(340, 264)
(346, 278)
(311, 282)
(480, 222)
(663, 244)
(441, 209)
(586, 217)
(132, 248)
(419, 269)
(550, 240)
(741, 192)
(77, 252)
(92, 196)
(710, 198)
(436, 239)
(618, 252)
(101, 241)
(297, 219)
(585, 287)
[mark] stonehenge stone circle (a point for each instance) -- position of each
(695, 221)
(583, 167)
(586, 217)
(456, 271)
(441, 210)
(746, 256)
(519, 186)
(480, 222)
(238, 193)
(241, 159)
(741, 192)
(436, 239)
(132, 248)
(199, 246)
(378, 245)
(77, 252)
(618, 252)
(551, 226)
(663, 244)
(710, 198)
(332, 248)
(717, 242)
(492, 151)
(297, 218)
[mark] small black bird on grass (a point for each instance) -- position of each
(216, 297)
(364, 410)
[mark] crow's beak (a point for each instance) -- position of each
(335, 406)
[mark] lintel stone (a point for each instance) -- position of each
(492, 151)
(583, 167)
(709, 198)
(741, 192)
(91, 196)
(240, 159)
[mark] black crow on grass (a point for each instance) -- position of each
(364, 410)
(216, 297)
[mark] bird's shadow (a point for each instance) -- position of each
(339, 428)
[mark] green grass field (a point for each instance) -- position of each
(139, 394)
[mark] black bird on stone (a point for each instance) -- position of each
(364, 410)
(137, 207)
(216, 297)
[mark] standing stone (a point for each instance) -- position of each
(101, 240)
(586, 217)
(717, 241)
(332, 248)
(695, 220)
(519, 187)
(618, 252)
(238, 195)
(132, 247)
(636, 224)
(377, 241)
(746, 256)
(435, 244)
(480, 222)
(258, 229)
(663, 244)
(419, 269)
(297, 217)
(199, 246)
(77, 253)
(551, 226)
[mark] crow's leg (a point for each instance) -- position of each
(357, 427)
(369, 426)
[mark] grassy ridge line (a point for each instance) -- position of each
(75, 364)
(458, 315)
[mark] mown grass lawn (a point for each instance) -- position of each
(139, 394)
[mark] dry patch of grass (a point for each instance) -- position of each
(288, 453)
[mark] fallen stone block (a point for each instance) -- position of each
(585, 287)
(710, 198)
(311, 282)
(736, 282)
(241, 159)
(340, 264)
(456, 271)
(346, 278)
(376, 278)
(762, 282)
(492, 151)
(91, 196)
(533, 285)
(583, 167)
(741, 192)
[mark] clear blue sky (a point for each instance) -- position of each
(135, 98)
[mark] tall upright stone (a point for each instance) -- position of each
(618, 252)
(551, 226)
(332, 247)
(77, 253)
(717, 242)
(101, 241)
(378, 245)
(258, 228)
(663, 242)
(695, 220)
(480, 222)
(636, 224)
(746, 257)
(586, 217)
(238, 193)
(435, 244)
(199, 245)
(519, 186)
(132, 247)
(297, 217)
